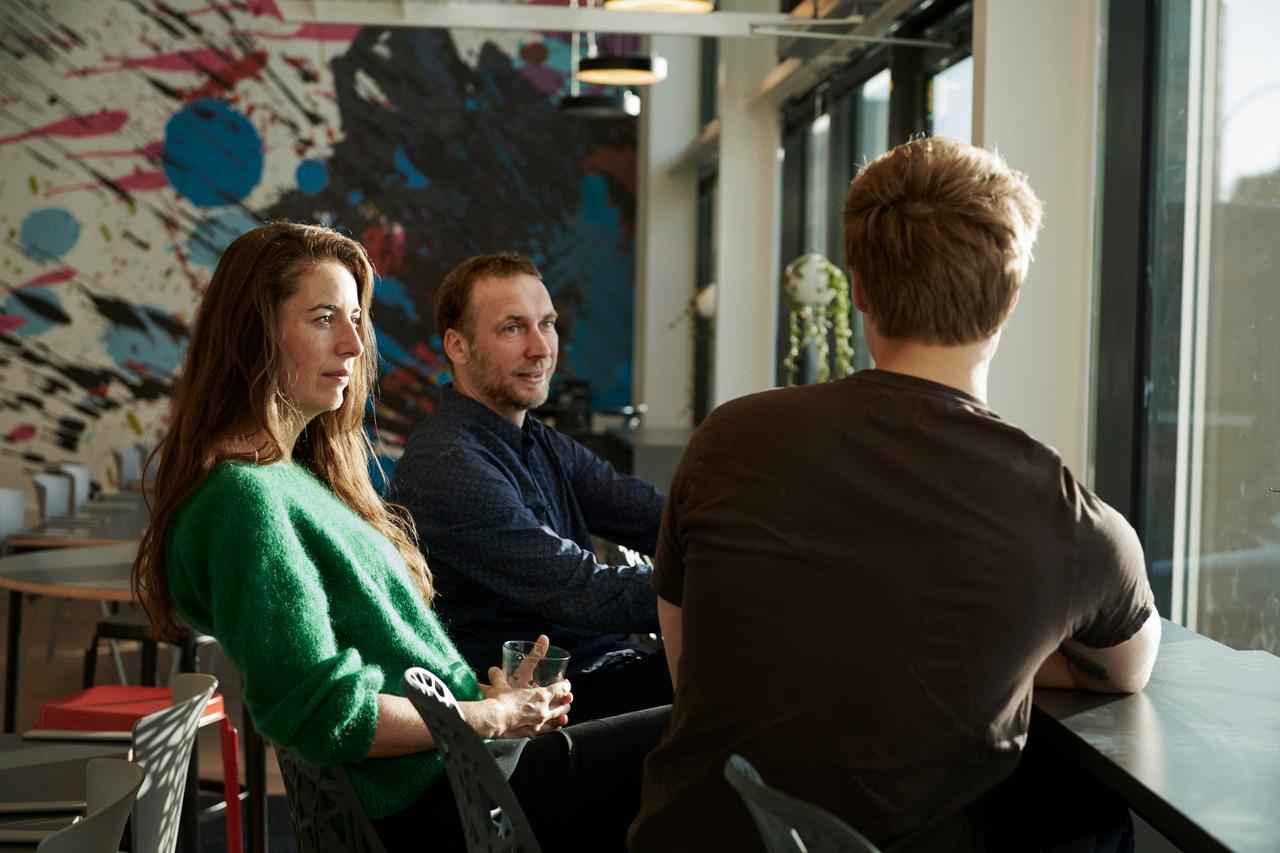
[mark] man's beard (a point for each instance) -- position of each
(495, 386)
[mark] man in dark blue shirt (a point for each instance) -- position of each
(505, 506)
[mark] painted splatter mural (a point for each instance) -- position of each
(138, 137)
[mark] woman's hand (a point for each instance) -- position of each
(513, 712)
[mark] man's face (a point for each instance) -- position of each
(507, 360)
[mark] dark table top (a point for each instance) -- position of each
(1197, 753)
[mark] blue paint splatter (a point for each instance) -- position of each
(153, 347)
(212, 154)
(392, 292)
(380, 469)
(213, 234)
(48, 233)
(312, 176)
(413, 177)
(36, 323)
(589, 252)
(390, 351)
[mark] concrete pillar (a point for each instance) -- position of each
(746, 220)
(666, 239)
(1035, 83)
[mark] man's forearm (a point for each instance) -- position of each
(1118, 669)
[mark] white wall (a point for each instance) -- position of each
(667, 235)
(746, 217)
(1035, 87)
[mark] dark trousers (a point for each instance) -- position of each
(1049, 804)
(579, 787)
(625, 681)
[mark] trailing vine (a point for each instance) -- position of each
(819, 292)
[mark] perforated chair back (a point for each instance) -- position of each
(53, 494)
(162, 745)
(788, 824)
(12, 512)
(80, 484)
(327, 815)
(492, 819)
(111, 784)
(128, 464)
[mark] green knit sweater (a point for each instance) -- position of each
(319, 614)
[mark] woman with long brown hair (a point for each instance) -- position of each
(267, 533)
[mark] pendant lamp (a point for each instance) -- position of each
(631, 70)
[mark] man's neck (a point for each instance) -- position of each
(515, 416)
(964, 366)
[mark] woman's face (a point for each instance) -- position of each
(320, 338)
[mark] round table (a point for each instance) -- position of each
(94, 574)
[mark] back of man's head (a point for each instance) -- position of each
(938, 236)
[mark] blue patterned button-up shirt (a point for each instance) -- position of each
(506, 515)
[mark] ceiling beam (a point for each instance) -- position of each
(516, 16)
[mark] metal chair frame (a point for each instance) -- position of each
(326, 812)
(492, 818)
(788, 824)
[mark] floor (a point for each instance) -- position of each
(45, 677)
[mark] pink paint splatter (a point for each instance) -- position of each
(54, 277)
(21, 433)
(247, 66)
(151, 151)
(385, 244)
(255, 7)
(546, 80)
(204, 60)
(95, 124)
(135, 181)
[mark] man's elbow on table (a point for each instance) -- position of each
(1123, 668)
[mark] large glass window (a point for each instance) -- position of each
(827, 138)
(1211, 397)
(951, 101)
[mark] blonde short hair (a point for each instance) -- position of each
(938, 235)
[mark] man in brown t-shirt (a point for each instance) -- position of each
(859, 582)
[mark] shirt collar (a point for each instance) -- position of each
(467, 409)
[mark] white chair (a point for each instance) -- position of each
(128, 465)
(110, 788)
(80, 480)
(162, 744)
(53, 494)
(12, 513)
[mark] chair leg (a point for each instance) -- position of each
(115, 647)
(189, 821)
(149, 663)
(231, 786)
(54, 623)
(91, 663)
(255, 765)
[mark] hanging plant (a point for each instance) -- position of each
(819, 293)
